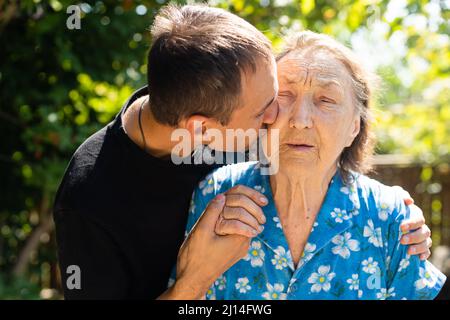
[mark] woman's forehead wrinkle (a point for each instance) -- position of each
(309, 69)
(319, 74)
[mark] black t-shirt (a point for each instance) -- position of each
(120, 215)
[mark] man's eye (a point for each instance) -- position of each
(259, 115)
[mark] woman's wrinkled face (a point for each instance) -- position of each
(317, 117)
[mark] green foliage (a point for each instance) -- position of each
(19, 288)
(58, 86)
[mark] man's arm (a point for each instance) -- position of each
(416, 233)
(80, 242)
(219, 239)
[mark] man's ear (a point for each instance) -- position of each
(197, 126)
(356, 128)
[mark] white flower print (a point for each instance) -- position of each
(384, 212)
(307, 254)
(221, 282)
(314, 226)
(384, 293)
(344, 245)
(207, 185)
(425, 280)
(211, 294)
(308, 251)
(345, 190)
(192, 207)
(404, 263)
(352, 195)
(281, 258)
(321, 279)
(370, 266)
(242, 285)
(259, 189)
(339, 215)
(255, 254)
(277, 221)
(374, 234)
(353, 282)
(274, 292)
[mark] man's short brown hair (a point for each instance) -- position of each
(196, 62)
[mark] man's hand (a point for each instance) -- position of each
(420, 239)
(205, 254)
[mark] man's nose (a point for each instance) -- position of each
(301, 117)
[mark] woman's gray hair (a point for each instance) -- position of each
(357, 156)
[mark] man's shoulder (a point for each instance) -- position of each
(88, 161)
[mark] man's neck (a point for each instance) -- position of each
(157, 136)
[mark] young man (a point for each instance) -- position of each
(122, 206)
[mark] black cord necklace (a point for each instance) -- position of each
(140, 125)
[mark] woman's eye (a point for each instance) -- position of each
(286, 96)
(327, 100)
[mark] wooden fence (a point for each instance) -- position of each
(428, 185)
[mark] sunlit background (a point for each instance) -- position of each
(58, 86)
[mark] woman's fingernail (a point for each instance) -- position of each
(413, 250)
(263, 200)
(405, 227)
(405, 239)
(261, 228)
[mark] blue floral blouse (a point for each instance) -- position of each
(353, 251)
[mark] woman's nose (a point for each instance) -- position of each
(301, 116)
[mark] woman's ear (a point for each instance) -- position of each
(356, 127)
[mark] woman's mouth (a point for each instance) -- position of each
(300, 146)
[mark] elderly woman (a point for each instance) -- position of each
(331, 232)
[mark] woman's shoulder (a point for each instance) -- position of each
(380, 202)
(225, 177)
